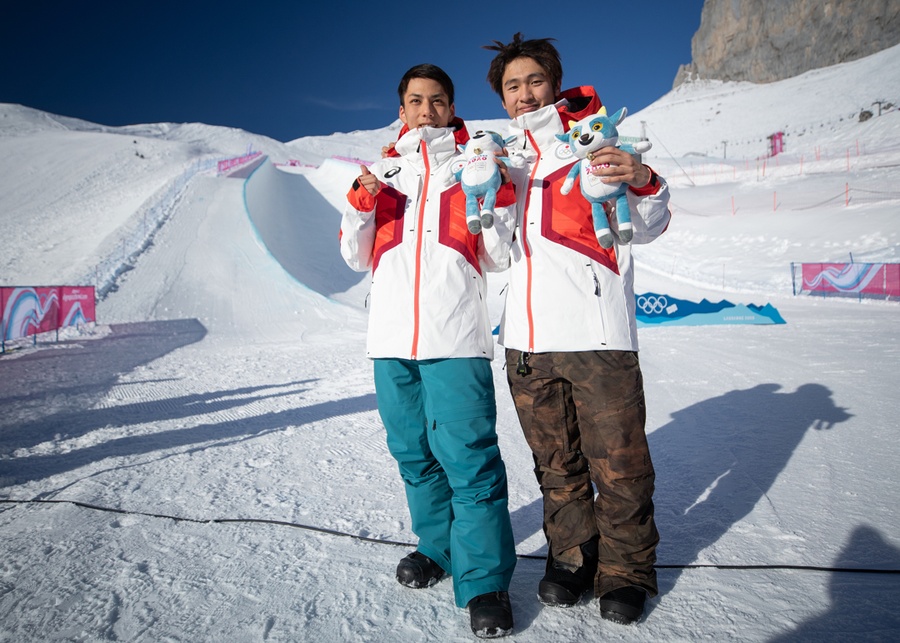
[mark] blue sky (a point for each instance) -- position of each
(292, 69)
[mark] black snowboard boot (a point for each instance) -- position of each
(624, 605)
(418, 571)
(563, 586)
(490, 615)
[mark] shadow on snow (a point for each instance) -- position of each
(861, 606)
(716, 459)
(83, 372)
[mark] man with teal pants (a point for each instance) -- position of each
(430, 341)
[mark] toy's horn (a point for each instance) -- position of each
(602, 111)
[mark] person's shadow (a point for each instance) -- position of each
(862, 604)
(716, 459)
(51, 394)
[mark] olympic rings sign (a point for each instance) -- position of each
(652, 305)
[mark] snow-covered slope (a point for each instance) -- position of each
(818, 109)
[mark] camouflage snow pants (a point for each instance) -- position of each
(583, 416)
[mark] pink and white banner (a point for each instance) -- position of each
(858, 279)
(228, 164)
(30, 311)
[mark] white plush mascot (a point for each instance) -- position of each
(584, 138)
(480, 177)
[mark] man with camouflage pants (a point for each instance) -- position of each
(570, 334)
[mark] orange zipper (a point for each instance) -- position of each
(418, 278)
(528, 267)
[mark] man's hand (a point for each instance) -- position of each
(613, 165)
(386, 150)
(369, 180)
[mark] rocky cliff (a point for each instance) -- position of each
(766, 40)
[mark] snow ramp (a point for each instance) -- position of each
(300, 229)
(208, 263)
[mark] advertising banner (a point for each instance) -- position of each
(28, 311)
(654, 309)
(33, 310)
(228, 164)
(856, 279)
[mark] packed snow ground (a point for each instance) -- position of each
(223, 407)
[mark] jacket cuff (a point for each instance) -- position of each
(652, 186)
(360, 198)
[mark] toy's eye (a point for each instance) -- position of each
(597, 127)
(576, 133)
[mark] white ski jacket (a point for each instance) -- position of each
(566, 293)
(428, 285)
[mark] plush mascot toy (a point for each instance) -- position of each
(584, 138)
(480, 177)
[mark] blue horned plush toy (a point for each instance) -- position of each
(480, 177)
(584, 138)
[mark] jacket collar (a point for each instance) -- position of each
(457, 126)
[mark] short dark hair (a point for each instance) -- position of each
(539, 49)
(431, 72)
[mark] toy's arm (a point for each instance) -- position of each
(638, 148)
(570, 178)
(458, 165)
(495, 243)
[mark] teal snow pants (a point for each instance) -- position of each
(440, 416)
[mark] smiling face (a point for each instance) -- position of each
(526, 87)
(426, 104)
